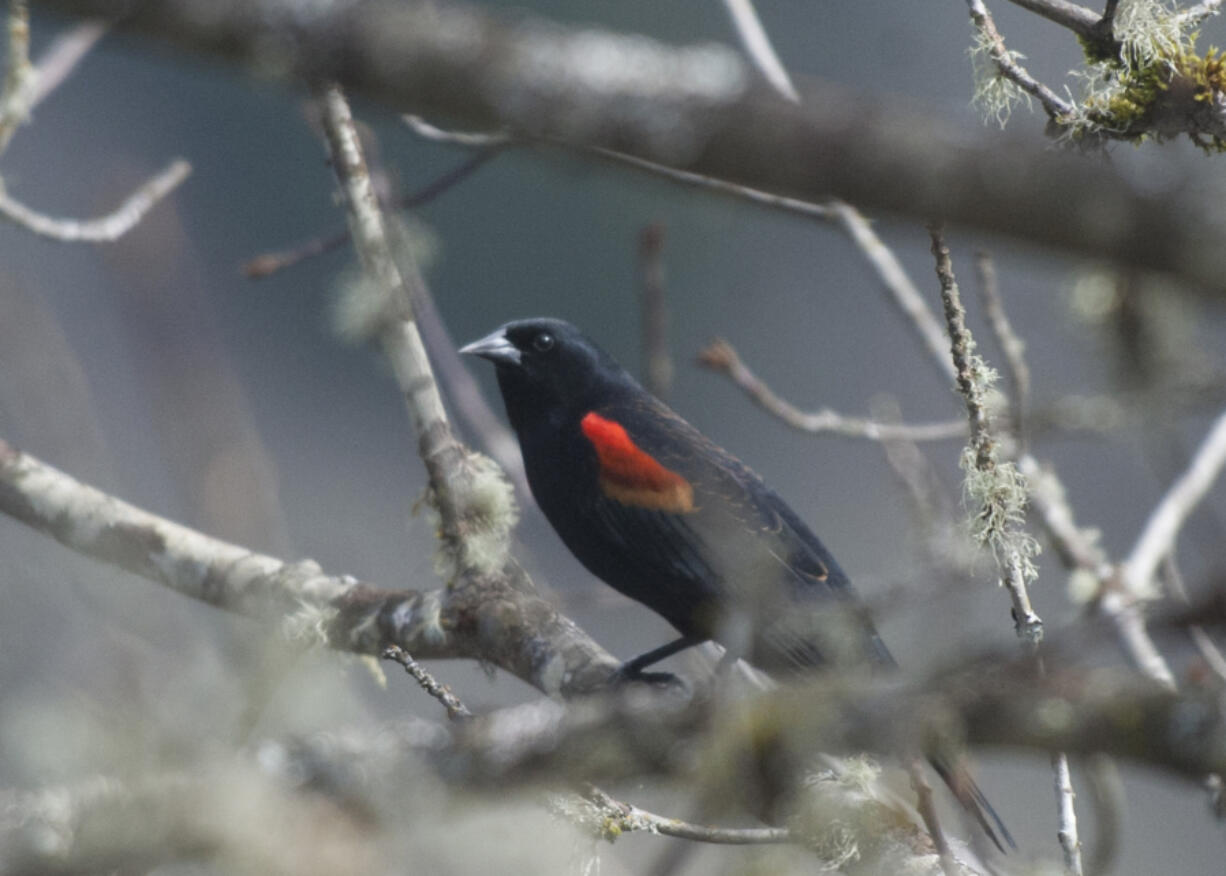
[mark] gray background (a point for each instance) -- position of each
(154, 369)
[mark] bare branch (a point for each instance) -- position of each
(450, 467)
(496, 618)
(721, 357)
(104, 229)
(62, 56)
(1209, 652)
(1157, 539)
(456, 710)
(1078, 19)
(18, 74)
(928, 812)
(1198, 13)
(653, 305)
(626, 816)
(1008, 67)
(885, 158)
(1070, 840)
(1011, 346)
(269, 263)
(757, 46)
(903, 292)
(469, 139)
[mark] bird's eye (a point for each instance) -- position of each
(543, 342)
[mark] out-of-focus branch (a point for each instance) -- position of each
(653, 305)
(1199, 12)
(269, 263)
(19, 75)
(697, 109)
(109, 825)
(722, 358)
(758, 48)
(104, 229)
(1157, 539)
(615, 814)
(1079, 710)
(1011, 346)
(61, 58)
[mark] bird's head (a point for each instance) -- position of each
(549, 364)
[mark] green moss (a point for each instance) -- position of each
(1126, 108)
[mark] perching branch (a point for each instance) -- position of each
(486, 617)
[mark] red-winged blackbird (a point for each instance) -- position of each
(657, 511)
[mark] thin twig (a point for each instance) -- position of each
(996, 517)
(1012, 348)
(961, 347)
(1070, 841)
(104, 229)
(926, 806)
(757, 46)
(1198, 13)
(1006, 64)
(19, 76)
(721, 357)
(427, 131)
(62, 56)
(630, 817)
(1209, 652)
(902, 290)
(1013, 544)
(456, 710)
(653, 305)
(1107, 795)
(1078, 19)
(269, 263)
(1157, 539)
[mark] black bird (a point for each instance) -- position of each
(660, 513)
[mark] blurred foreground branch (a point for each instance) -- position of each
(696, 108)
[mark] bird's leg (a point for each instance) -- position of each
(632, 670)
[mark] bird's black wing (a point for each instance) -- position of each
(740, 546)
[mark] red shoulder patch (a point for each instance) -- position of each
(631, 475)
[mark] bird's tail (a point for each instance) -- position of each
(973, 801)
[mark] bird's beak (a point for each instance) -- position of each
(494, 347)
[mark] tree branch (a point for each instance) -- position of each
(495, 617)
(541, 81)
(104, 229)
(722, 358)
